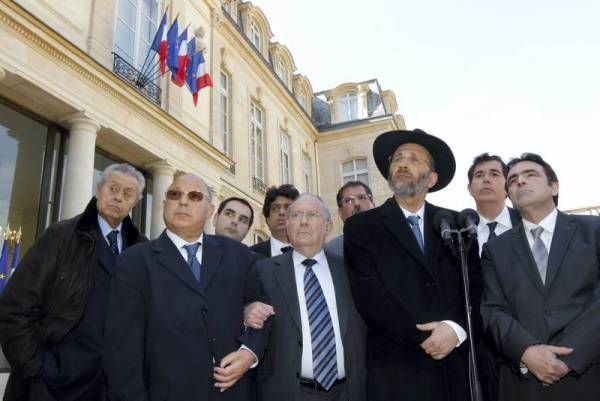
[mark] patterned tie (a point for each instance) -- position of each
(540, 253)
(492, 227)
(192, 260)
(113, 244)
(413, 220)
(286, 249)
(321, 329)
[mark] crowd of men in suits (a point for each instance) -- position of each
(96, 312)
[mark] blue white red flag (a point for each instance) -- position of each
(178, 78)
(4, 265)
(159, 44)
(172, 47)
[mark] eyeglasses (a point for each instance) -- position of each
(411, 158)
(128, 193)
(356, 198)
(310, 215)
(176, 194)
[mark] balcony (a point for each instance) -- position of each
(136, 79)
(259, 185)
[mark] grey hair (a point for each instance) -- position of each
(204, 184)
(127, 169)
(324, 209)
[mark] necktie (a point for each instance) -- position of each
(492, 227)
(321, 329)
(113, 244)
(413, 220)
(192, 260)
(540, 253)
(286, 249)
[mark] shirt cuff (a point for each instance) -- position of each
(253, 354)
(459, 331)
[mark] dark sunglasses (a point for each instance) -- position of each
(175, 194)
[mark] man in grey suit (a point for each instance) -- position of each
(541, 299)
(352, 198)
(316, 349)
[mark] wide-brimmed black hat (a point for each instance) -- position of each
(387, 143)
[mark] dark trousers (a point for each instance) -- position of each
(336, 393)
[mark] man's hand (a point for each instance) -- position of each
(256, 313)
(232, 367)
(441, 341)
(542, 360)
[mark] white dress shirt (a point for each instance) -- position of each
(276, 246)
(321, 270)
(458, 330)
(105, 228)
(548, 223)
(483, 231)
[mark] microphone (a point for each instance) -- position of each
(468, 219)
(444, 222)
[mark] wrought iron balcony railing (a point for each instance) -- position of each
(259, 185)
(135, 78)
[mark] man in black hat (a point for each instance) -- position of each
(406, 283)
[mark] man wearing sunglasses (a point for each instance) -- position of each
(53, 308)
(176, 330)
(352, 198)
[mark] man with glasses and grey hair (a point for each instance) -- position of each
(53, 309)
(316, 348)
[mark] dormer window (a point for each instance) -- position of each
(281, 71)
(348, 107)
(255, 35)
(301, 97)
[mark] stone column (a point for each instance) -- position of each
(162, 176)
(80, 164)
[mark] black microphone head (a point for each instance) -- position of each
(468, 217)
(442, 215)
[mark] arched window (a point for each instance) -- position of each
(281, 70)
(355, 170)
(301, 97)
(255, 36)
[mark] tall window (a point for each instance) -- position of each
(306, 172)
(348, 107)
(255, 35)
(355, 170)
(256, 142)
(301, 97)
(136, 25)
(281, 71)
(224, 110)
(285, 159)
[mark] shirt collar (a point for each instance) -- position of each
(278, 244)
(297, 257)
(547, 223)
(105, 228)
(180, 242)
(503, 218)
(420, 212)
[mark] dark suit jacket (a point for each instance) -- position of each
(519, 310)
(164, 329)
(279, 372)
(262, 248)
(515, 216)
(396, 286)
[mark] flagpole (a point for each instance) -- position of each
(150, 48)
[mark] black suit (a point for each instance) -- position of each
(279, 372)
(262, 248)
(396, 286)
(165, 328)
(515, 216)
(519, 310)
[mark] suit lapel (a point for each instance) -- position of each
(284, 274)
(343, 299)
(525, 257)
(211, 257)
(563, 233)
(433, 243)
(395, 221)
(170, 258)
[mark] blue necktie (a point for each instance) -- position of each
(413, 220)
(321, 329)
(192, 260)
(113, 244)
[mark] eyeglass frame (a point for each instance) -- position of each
(186, 193)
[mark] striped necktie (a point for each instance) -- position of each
(540, 253)
(113, 243)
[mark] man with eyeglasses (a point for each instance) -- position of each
(316, 348)
(175, 330)
(53, 309)
(234, 218)
(352, 198)
(406, 282)
(277, 200)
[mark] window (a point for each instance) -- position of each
(348, 107)
(255, 35)
(227, 7)
(136, 25)
(301, 97)
(256, 142)
(224, 112)
(306, 172)
(355, 170)
(285, 159)
(281, 71)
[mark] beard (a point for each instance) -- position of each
(409, 189)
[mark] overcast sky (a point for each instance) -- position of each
(499, 76)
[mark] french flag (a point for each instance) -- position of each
(196, 76)
(182, 60)
(172, 47)
(159, 44)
